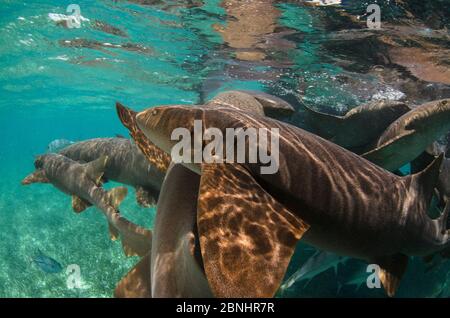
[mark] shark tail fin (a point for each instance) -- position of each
(95, 169)
(116, 196)
(426, 180)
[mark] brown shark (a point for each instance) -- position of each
(83, 183)
(126, 164)
(360, 126)
(407, 137)
(249, 223)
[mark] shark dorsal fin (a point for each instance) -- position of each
(95, 169)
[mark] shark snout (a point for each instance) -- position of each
(142, 118)
(147, 121)
(28, 179)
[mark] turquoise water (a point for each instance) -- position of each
(170, 53)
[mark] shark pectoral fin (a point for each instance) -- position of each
(391, 271)
(145, 197)
(95, 169)
(79, 204)
(36, 177)
(154, 155)
(137, 282)
(247, 238)
(116, 196)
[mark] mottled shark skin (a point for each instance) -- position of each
(360, 126)
(83, 183)
(409, 136)
(126, 164)
(249, 223)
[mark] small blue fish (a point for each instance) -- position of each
(46, 263)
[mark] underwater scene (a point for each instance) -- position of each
(92, 205)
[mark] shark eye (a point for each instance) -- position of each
(38, 163)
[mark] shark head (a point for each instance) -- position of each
(161, 124)
(39, 161)
(39, 174)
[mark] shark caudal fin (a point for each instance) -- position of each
(95, 169)
(426, 181)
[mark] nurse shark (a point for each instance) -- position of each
(83, 183)
(175, 262)
(249, 223)
(410, 135)
(126, 164)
